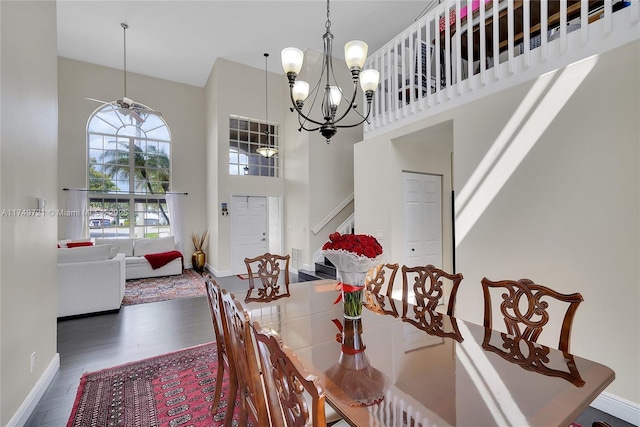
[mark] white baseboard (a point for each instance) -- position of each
(618, 407)
(309, 267)
(219, 273)
(21, 417)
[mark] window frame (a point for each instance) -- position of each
(246, 135)
(106, 205)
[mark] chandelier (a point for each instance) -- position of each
(266, 150)
(355, 53)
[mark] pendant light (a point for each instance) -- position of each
(266, 150)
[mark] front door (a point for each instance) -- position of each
(248, 230)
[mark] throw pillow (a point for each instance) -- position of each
(80, 254)
(78, 244)
(142, 247)
(63, 243)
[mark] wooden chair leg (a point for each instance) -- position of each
(231, 402)
(218, 389)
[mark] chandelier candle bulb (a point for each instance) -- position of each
(355, 53)
(369, 80)
(336, 95)
(300, 91)
(292, 60)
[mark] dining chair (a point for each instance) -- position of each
(380, 279)
(223, 347)
(290, 381)
(524, 308)
(428, 286)
(268, 269)
(251, 393)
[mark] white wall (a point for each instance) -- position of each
(558, 204)
(233, 88)
(379, 164)
(182, 107)
(28, 165)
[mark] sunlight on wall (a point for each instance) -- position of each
(477, 194)
(497, 399)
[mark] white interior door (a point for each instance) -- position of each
(422, 210)
(248, 230)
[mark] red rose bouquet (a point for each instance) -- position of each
(359, 244)
(353, 255)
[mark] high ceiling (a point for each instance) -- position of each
(179, 40)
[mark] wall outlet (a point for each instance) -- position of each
(33, 361)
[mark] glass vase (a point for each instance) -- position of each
(352, 293)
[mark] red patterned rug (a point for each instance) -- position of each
(190, 284)
(171, 390)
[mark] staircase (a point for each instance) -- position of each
(324, 270)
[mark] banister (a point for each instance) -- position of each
(461, 45)
(335, 211)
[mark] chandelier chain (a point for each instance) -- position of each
(124, 29)
(266, 93)
(327, 24)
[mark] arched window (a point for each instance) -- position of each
(129, 174)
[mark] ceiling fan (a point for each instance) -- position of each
(126, 106)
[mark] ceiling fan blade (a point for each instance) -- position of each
(151, 112)
(137, 116)
(98, 100)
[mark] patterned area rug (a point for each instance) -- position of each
(190, 284)
(174, 389)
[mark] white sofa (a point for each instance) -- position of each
(136, 265)
(89, 280)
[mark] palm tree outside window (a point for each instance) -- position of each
(129, 174)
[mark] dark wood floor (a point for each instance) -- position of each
(142, 331)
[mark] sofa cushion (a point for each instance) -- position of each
(142, 247)
(83, 254)
(114, 251)
(131, 260)
(125, 245)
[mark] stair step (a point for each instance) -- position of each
(326, 269)
(305, 276)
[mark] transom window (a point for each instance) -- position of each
(129, 174)
(245, 137)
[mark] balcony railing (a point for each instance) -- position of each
(464, 49)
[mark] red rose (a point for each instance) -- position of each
(370, 252)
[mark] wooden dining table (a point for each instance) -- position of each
(400, 365)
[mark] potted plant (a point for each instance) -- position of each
(199, 257)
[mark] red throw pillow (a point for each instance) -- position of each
(77, 244)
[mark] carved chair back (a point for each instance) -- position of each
(380, 279)
(268, 277)
(525, 308)
(428, 286)
(251, 392)
(223, 345)
(290, 382)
